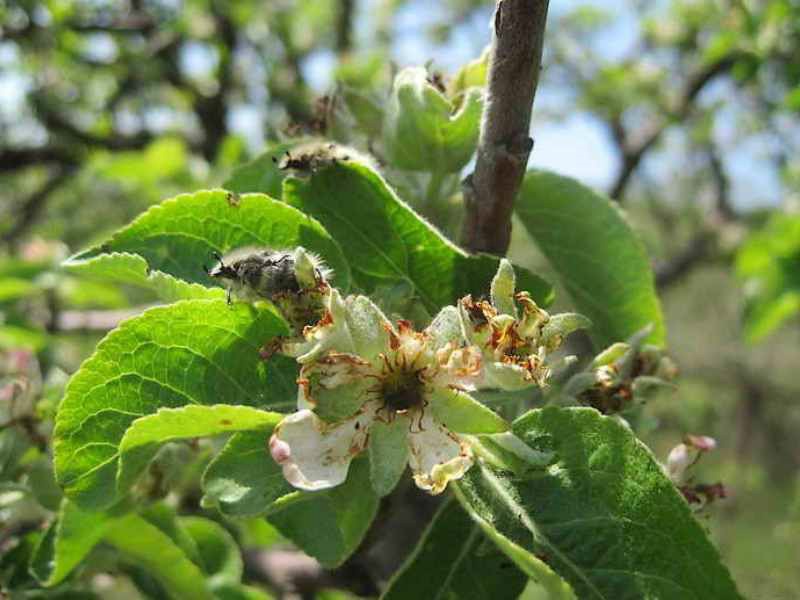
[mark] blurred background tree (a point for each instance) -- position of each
(686, 112)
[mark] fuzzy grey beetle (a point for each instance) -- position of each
(257, 273)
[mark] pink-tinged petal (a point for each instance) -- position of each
(680, 458)
(316, 455)
(436, 455)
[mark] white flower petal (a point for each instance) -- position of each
(316, 455)
(330, 332)
(436, 455)
(679, 460)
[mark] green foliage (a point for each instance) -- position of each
(145, 544)
(67, 542)
(131, 269)
(191, 557)
(600, 260)
(146, 434)
(602, 515)
(769, 266)
(243, 480)
(388, 455)
(217, 550)
(387, 243)
(569, 499)
(330, 525)
(455, 560)
(262, 174)
(161, 159)
(154, 361)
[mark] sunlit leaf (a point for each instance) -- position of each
(598, 257)
(769, 266)
(386, 242)
(193, 352)
(180, 235)
(146, 434)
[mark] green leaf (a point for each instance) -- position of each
(165, 517)
(459, 412)
(243, 480)
(193, 352)
(147, 434)
(179, 235)
(132, 269)
(261, 174)
(603, 515)
(42, 483)
(330, 525)
(148, 546)
(219, 554)
(768, 264)
(67, 542)
(599, 259)
(240, 592)
(161, 159)
(386, 242)
(13, 337)
(388, 454)
(455, 560)
(424, 131)
(15, 288)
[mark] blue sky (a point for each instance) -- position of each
(578, 145)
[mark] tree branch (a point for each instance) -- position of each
(35, 203)
(504, 144)
(632, 155)
(212, 111)
(344, 26)
(701, 247)
(57, 122)
(12, 159)
(675, 268)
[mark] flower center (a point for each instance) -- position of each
(402, 391)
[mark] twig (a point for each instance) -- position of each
(505, 143)
(12, 159)
(701, 247)
(632, 155)
(32, 207)
(344, 26)
(679, 265)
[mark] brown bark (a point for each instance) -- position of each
(504, 144)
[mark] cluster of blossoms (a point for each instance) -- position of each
(401, 395)
(678, 468)
(622, 374)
